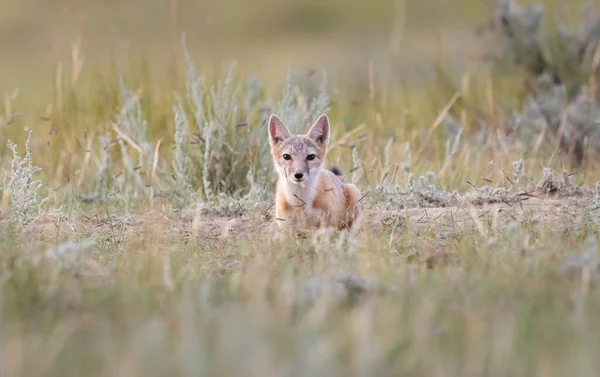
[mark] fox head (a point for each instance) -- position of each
(298, 157)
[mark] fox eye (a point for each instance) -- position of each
(287, 157)
(310, 157)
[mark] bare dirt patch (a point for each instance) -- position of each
(551, 211)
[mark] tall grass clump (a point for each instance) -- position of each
(133, 171)
(19, 190)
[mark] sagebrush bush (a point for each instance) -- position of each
(20, 205)
(560, 71)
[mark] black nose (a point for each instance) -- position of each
(298, 175)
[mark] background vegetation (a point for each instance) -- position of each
(136, 188)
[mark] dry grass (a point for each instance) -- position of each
(157, 252)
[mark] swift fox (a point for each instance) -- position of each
(309, 196)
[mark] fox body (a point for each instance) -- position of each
(309, 196)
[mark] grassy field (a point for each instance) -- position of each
(136, 194)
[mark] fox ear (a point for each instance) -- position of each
(277, 130)
(319, 131)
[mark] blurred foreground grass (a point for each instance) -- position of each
(257, 307)
(155, 253)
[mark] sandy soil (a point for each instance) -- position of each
(550, 211)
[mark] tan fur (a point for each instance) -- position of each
(337, 200)
(320, 199)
